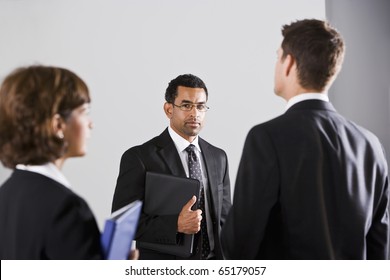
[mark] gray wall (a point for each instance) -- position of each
(362, 89)
(128, 50)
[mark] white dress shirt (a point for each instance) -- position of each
(48, 170)
(181, 145)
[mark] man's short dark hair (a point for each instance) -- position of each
(186, 80)
(318, 50)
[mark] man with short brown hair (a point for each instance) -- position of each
(311, 184)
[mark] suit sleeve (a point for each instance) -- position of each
(130, 187)
(255, 194)
(378, 235)
(226, 197)
(73, 233)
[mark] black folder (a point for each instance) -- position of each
(166, 195)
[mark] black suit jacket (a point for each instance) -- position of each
(42, 219)
(160, 155)
(310, 185)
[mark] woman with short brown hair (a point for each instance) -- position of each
(44, 119)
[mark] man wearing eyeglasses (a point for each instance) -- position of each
(169, 153)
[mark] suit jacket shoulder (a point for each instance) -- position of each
(303, 165)
(59, 223)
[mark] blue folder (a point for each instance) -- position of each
(119, 231)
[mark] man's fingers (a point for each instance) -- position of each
(190, 203)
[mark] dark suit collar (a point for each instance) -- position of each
(170, 156)
(209, 160)
(168, 153)
(312, 104)
(212, 170)
(164, 139)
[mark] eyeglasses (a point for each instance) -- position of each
(188, 107)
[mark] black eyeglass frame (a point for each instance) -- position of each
(189, 106)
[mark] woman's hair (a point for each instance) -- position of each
(29, 99)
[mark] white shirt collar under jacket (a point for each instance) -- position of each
(48, 170)
(306, 96)
(181, 143)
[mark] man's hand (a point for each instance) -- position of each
(189, 221)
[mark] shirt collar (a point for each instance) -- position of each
(306, 96)
(181, 143)
(48, 170)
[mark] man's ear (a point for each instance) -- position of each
(168, 109)
(58, 125)
(288, 64)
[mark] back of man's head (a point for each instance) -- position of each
(318, 50)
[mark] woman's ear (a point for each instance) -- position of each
(168, 108)
(58, 125)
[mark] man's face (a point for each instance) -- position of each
(187, 123)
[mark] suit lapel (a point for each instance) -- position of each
(168, 153)
(211, 169)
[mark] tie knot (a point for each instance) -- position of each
(190, 148)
